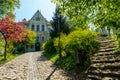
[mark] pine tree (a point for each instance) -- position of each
(63, 24)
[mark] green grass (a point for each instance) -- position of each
(65, 63)
(9, 58)
(52, 56)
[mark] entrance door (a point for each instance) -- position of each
(37, 46)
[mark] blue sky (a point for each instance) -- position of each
(29, 7)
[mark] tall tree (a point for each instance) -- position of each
(100, 12)
(59, 24)
(11, 31)
(7, 6)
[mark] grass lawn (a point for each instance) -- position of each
(9, 58)
(52, 56)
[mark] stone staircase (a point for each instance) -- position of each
(105, 63)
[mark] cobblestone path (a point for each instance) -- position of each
(32, 66)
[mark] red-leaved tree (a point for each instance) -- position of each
(11, 31)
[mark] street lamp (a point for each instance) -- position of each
(59, 35)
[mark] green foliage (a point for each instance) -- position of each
(63, 43)
(2, 47)
(52, 56)
(48, 46)
(75, 47)
(9, 58)
(30, 37)
(19, 47)
(10, 47)
(66, 63)
(7, 6)
(78, 44)
(83, 40)
(99, 12)
(64, 26)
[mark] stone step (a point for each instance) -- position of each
(103, 57)
(105, 73)
(106, 61)
(102, 66)
(97, 77)
(107, 50)
(108, 46)
(104, 53)
(110, 78)
(103, 38)
(107, 41)
(109, 57)
(93, 77)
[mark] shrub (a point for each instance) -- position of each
(62, 43)
(75, 48)
(82, 43)
(79, 44)
(48, 46)
(1, 47)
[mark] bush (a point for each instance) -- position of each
(62, 43)
(66, 63)
(19, 47)
(48, 46)
(75, 48)
(82, 43)
(2, 47)
(79, 44)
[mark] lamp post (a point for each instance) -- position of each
(59, 36)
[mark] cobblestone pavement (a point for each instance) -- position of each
(31, 66)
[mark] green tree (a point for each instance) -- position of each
(72, 9)
(100, 12)
(30, 37)
(63, 24)
(29, 40)
(7, 6)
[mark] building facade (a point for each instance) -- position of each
(42, 28)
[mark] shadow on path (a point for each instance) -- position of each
(42, 58)
(48, 78)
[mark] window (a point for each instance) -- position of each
(37, 38)
(49, 29)
(43, 28)
(38, 28)
(33, 27)
(42, 38)
(37, 18)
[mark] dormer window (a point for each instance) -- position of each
(37, 18)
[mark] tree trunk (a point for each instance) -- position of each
(5, 45)
(5, 49)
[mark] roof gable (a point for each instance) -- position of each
(37, 16)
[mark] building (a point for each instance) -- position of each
(42, 28)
